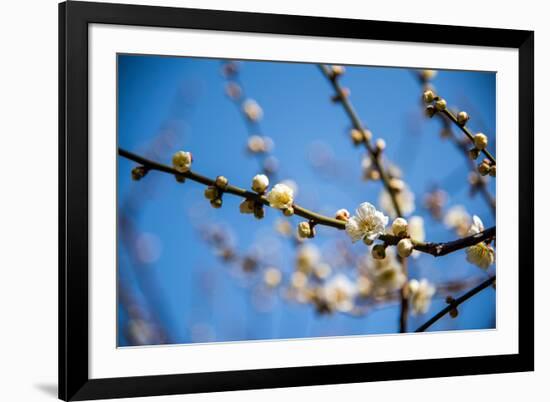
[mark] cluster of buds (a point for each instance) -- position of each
(400, 228)
(435, 103)
(260, 183)
(360, 136)
(214, 193)
(486, 168)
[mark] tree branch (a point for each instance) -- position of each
(435, 249)
(455, 303)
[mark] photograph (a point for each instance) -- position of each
(271, 200)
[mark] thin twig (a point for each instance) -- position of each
(455, 303)
(373, 153)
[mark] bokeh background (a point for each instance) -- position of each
(176, 283)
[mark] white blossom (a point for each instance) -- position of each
(420, 294)
(281, 196)
(368, 223)
(182, 161)
(404, 198)
(480, 254)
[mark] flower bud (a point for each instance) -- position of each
(428, 96)
(428, 74)
(211, 193)
(259, 212)
(430, 110)
(180, 178)
(399, 227)
(139, 172)
(493, 171)
(484, 168)
(343, 94)
(305, 230)
(216, 203)
(368, 241)
(288, 211)
(380, 144)
(379, 252)
(453, 313)
(474, 153)
(221, 182)
(247, 207)
(337, 71)
(182, 161)
(441, 104)
(357, 136)
(405, 247)
(260, 182)
(342, 215)
(462, 118)
(480, 141)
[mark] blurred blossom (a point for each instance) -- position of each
(148, 248)
(307, 256)
(405, 200)
(416, 232)
(141, 332)
(434, 202)
(283, 227)
(420, 294)
(320, 154)
(233, 90)
(252, 110)
(386, 274)
(272, 277)
(339, 292)
(458, 219)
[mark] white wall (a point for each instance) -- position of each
(28, 198)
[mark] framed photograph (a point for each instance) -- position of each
(255, 200)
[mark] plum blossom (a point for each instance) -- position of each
(281, 196)
(368, 223)
(481, 254)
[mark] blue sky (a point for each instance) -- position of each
(170, 278)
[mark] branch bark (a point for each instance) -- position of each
(455, 303)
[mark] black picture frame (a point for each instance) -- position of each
(74, 381)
